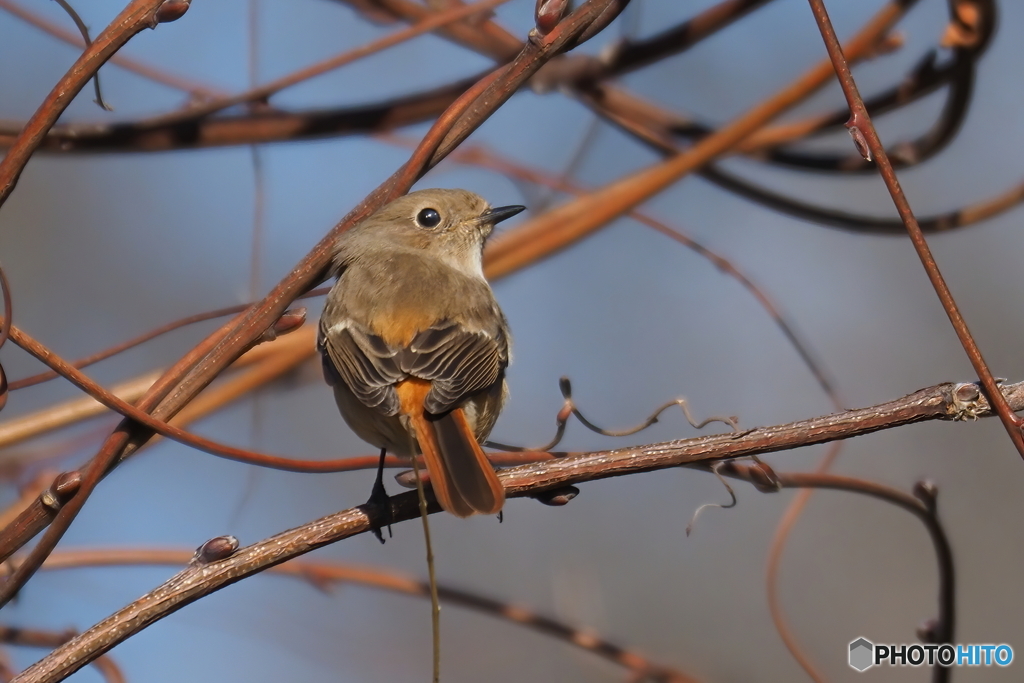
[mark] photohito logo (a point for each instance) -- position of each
(864, 654)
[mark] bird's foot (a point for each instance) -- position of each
(379, 504)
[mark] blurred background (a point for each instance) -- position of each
(101, 247)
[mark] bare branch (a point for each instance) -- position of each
(945, 401)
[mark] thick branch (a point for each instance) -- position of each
(945, 401)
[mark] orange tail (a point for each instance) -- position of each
(462, 478)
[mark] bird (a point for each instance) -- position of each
(414, 344)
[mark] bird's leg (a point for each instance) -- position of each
(379, 502)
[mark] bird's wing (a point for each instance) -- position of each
(456, 360)
(363, 362)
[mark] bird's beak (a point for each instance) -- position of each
(497, 214)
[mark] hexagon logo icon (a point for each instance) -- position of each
(862, 653)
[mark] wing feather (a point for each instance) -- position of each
(366, 366)
(456, 360)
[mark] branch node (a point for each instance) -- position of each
(407, 478)
(557, 497)
(859, 141)
(290, 320)
(215, 550)
(548, 13)
(763, 477)
(171, 10)
(927, 491)
(967, 402)
(63, 489)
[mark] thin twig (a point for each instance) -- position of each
(198, 90)
(922, 505)
(118, 445)
(564, 225)
(860, 125)
(435, 601)
(271, 359)
(782, 533)
(166, 429)
(5, 332)
(323, 574)
(137, 16)
(5, 324)
(148, 336)
(84, 30)
(949, 220)
(263, 92)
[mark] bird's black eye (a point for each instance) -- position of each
(428, 218)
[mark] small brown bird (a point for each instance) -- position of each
(415, 345)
